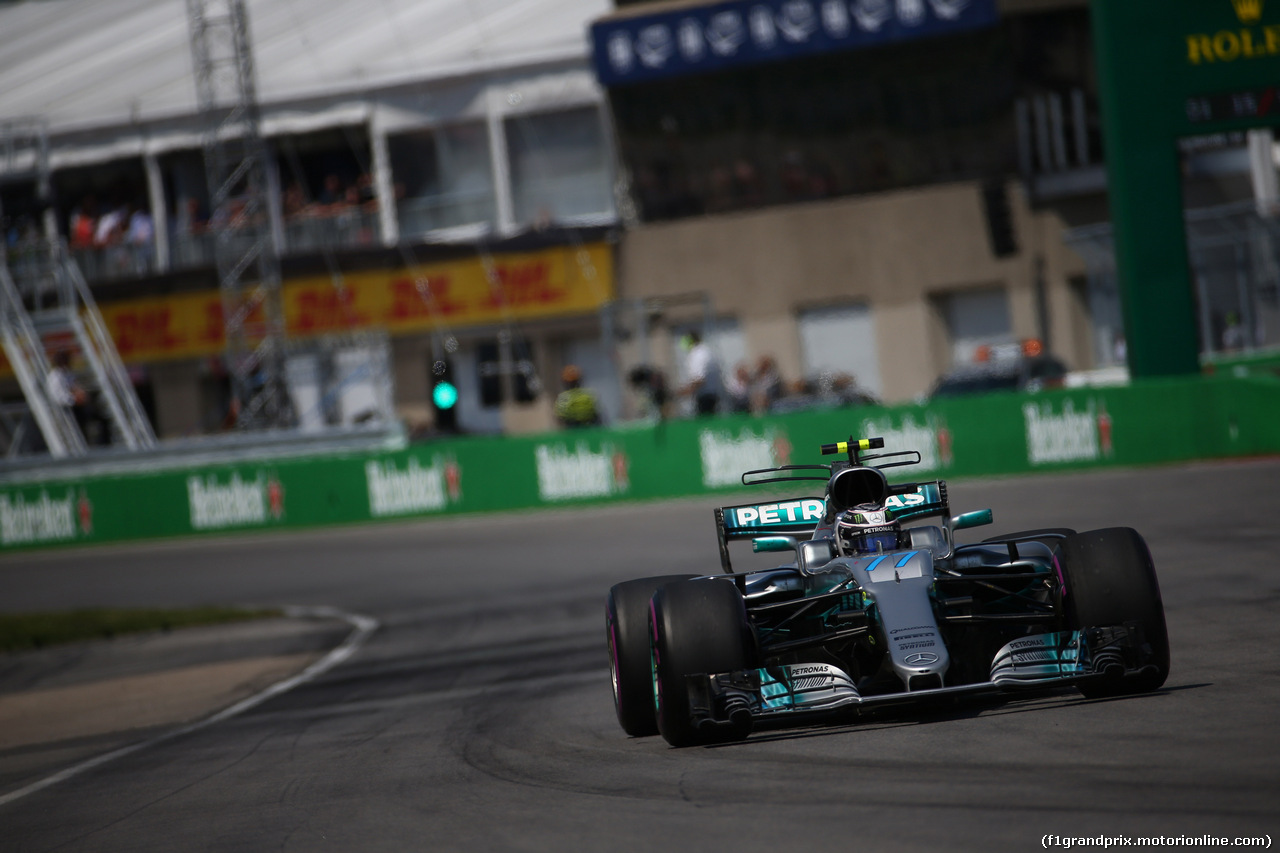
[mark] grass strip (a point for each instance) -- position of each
(21, 631)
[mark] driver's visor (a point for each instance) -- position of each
(873, 542)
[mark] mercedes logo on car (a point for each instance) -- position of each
(921, 658)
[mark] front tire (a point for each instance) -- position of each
(627, 632)
(1110, 579)
(698, 626)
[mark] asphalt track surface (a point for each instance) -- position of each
(479, 717)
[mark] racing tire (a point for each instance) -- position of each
(1110, 579)
(630, 667)
(696, 627)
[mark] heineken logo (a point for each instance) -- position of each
(1067, 435)
(931, 439)
(44, 518)
(725, 455)
(414, 489)
(565, 474)
(215, 505)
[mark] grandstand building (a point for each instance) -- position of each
(891, 189)
(444, 172)
(874, 188)
(884, 189)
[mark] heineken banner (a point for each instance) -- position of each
(1150, 422)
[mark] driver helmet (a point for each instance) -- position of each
(866, 529)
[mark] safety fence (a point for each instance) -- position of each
(1149, 422)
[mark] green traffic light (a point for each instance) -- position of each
(444, 395)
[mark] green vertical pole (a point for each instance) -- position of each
(1143, 178)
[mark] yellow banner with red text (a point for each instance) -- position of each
(553, 282)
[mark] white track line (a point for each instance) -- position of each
(362, 627)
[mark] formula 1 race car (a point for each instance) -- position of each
(872, 612)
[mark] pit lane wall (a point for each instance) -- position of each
(1151, 422)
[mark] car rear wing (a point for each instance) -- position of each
(910, 501)
(795, 517)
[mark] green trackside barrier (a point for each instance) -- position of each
(1254, 363)
(1150, 422)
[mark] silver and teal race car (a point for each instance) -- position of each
(880, 605)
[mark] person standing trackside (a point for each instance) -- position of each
(738, 389)
(63, 390)
(652, 387)
(575, 406)
(705, 383)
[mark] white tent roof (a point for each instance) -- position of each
(85, 64)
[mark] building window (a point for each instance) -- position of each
(838, 349)
(559, 166)
(518, 370)
(443, 177)
(975, 318)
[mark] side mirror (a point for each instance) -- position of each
(965, 520)
(762, 544)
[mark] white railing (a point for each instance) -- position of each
(345, 229)
(424, 214)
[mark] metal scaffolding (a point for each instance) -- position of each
(48, 306)
(246, 251)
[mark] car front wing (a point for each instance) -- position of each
(787, 691)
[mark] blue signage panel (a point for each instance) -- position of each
(742, 32)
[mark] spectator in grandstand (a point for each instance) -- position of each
(576, 406)
(141, 237)
(366, 193)
(20, 232)
(110, 227)
(543, 219)
(109, 238)
(189, 219)
(822, 181)
(293, 203)
(746, 184)
(353, 228)
(83, 224)
(233, 214)
(719, 190)
(333, 197)
(795, 178)
(187, 246)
